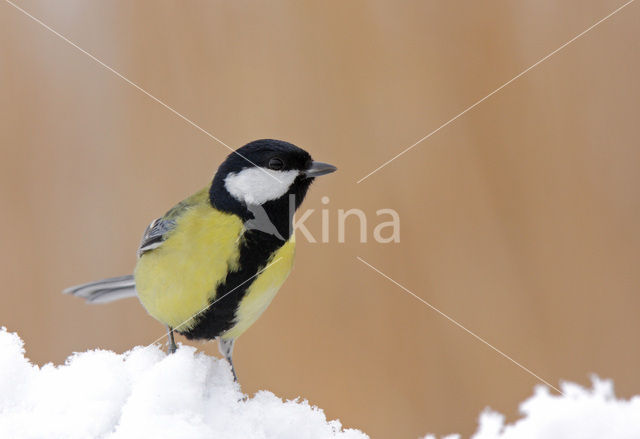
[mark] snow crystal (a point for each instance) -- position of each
(144, 393)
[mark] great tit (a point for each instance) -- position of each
(212, 264)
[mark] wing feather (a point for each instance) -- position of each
(155, 234)
(159, 229)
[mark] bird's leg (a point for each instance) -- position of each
(172, 343)
(226, 349)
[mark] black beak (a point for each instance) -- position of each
(318, 168)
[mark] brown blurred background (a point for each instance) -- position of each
(520, 219)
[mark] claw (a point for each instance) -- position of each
(172, 343)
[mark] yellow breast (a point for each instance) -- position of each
(176, 280)
(263, 289)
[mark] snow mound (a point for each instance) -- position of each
(144, 393)
(579, 413)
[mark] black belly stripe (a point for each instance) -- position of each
(256, 248)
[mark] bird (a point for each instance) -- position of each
(213, 263)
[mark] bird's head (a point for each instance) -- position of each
(265, 173)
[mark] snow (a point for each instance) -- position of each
(189, 395)
(144, 393)
(579, 413)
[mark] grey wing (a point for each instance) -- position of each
(155, 234)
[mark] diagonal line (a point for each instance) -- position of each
(496, 90)
(455, 322)
(214, 302)
(118, 74)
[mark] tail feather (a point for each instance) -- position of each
(106, 290)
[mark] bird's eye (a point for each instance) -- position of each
(276, 163)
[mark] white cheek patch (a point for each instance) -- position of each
(257, 185)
